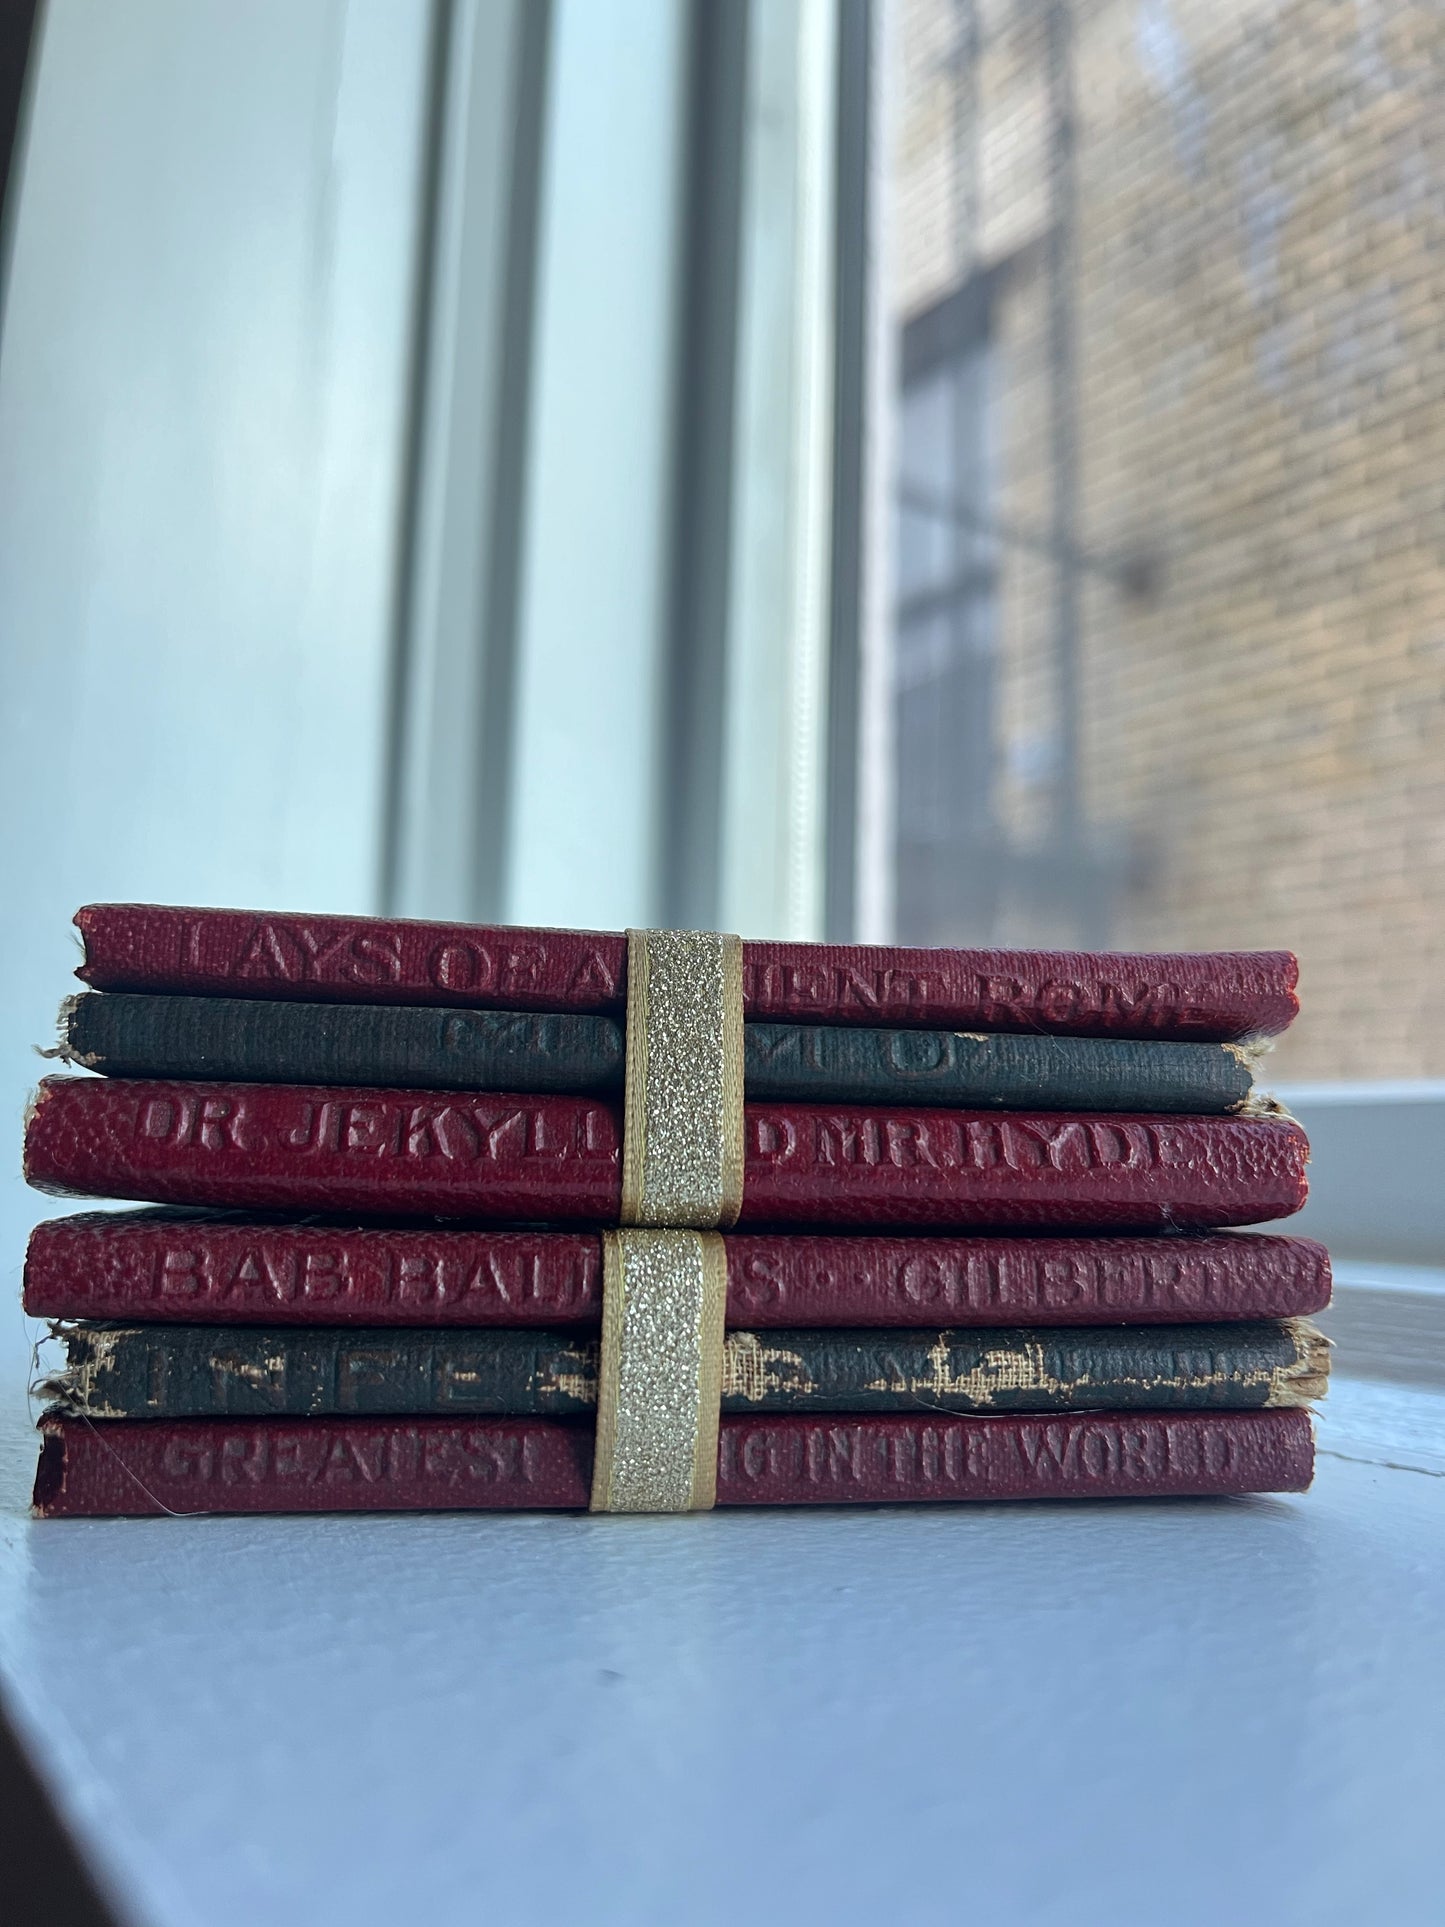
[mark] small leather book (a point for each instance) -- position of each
(1218, 996)
(226, 1371)
(197, 1268)
(377, 1153)
(149, 1467)
(417, 1048)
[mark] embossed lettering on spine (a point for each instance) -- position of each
(388, 1153)
(245, 953)
(169, 1266)
(142, 1467)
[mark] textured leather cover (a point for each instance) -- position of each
(143, 1467)
(184, 1267)
(228, 1371)
(263, 1040)
(307, 1148)
(248, 953)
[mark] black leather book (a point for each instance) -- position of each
(206, 1371)
(253, 1041)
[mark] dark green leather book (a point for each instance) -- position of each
(206, 1371)
(401, 1046)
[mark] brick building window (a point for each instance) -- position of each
(946, 632)
(1169, 459)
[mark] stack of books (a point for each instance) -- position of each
(983, 1250)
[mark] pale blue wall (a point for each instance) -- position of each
(202, 388)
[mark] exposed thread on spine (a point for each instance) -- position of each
(62, 1048)
(1308, 1379)
(90, 1354)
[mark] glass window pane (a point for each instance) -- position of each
(1170, 581)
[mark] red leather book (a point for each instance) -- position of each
(161, 1266)
(185, 1466)
(436, 1154)
(252, 953)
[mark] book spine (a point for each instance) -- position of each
(954, 1169)
(203, 1371)
(177, 1266)
(124, 1035)
(242, 953)
(388, 1153)
(311, 1148)
(819, 1063)
(916, 1282)
(227, 1038)
(147, 1467)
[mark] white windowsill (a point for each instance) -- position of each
(781, 1717)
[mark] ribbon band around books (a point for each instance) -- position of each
(659, 1382)
(664, 1273)
(682, 1140)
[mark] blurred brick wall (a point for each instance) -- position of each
(1261, 343)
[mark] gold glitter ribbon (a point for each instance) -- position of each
(664, 1275)
(682, 1143)
(659, 1387)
